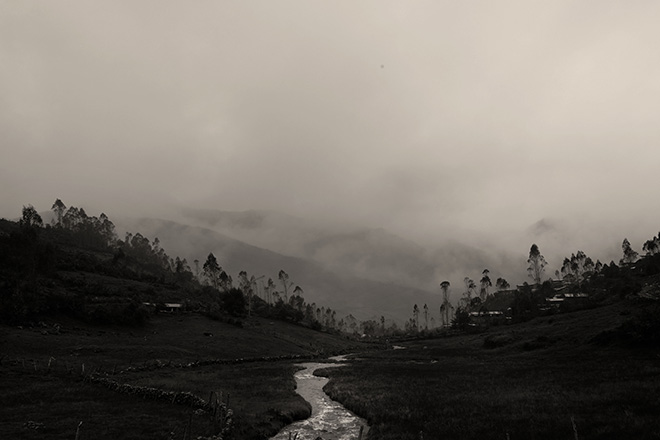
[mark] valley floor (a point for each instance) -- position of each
(563, 376)
(546, 379)
(46, 371)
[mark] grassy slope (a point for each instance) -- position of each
(537, 380)
(261, 393)
(45, 364)
(175, 338)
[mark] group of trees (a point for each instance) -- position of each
(579, 267)
(283, 299)
(139, 257)
(577, 272)
(28, 256)
(32, 253)
(89, 231)
(527, 300)
(148, 257)
(473, 298)
(652, 246)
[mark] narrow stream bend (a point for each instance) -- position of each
(329, 419)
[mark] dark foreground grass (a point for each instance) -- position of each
(56, 405)
(41, 369)
(168, 338)
(544, 381)
(262, 395)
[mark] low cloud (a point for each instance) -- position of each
(435, 120)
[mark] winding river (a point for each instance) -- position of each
(329, 419)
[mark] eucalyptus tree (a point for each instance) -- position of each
(212, 270)
(297, 301)
(501, 284)
(255, 286)
(226, 282)
(30, 218)
(58, 208)
(196, 261)
(284, 279)
(445, 306)
(416, 317)
(485, 284)
(107, 229)
(71, 218)
(536, 263)
(469, 287)
(629, 255)
(244, 283)
(652, 246)
(269, 290)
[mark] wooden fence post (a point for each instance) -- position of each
(575, 431)
(78, 430)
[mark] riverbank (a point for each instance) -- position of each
(329, 420)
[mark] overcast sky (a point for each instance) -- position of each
(435, 116)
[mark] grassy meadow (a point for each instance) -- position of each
(45, 394)
(565, 376)
(545, 379)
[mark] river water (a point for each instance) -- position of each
(329, 419)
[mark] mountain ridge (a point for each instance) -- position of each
(345, 293)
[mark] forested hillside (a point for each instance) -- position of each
(77, 266)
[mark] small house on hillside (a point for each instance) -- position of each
(561, 298)
(486, 318)
(165, 307)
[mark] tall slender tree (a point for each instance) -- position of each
(502, 284)
(58, 208)
(445, 306)
(270, 290)
(196, 261)
(212, 270)
(485, 284)
(30, 218)
(107, 229)
(284, 279)
(415, 318)
(652, 246)
(226, 282)
(536, 263)
(629, 255)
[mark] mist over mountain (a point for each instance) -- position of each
(369, 252)
(423, 261)
(558, 238)
(434, 121)
(342, 291)
(353, 269)
(374, 253)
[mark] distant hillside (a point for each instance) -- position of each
(341, 290)
(371, 253)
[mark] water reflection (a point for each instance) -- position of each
(329, 420)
